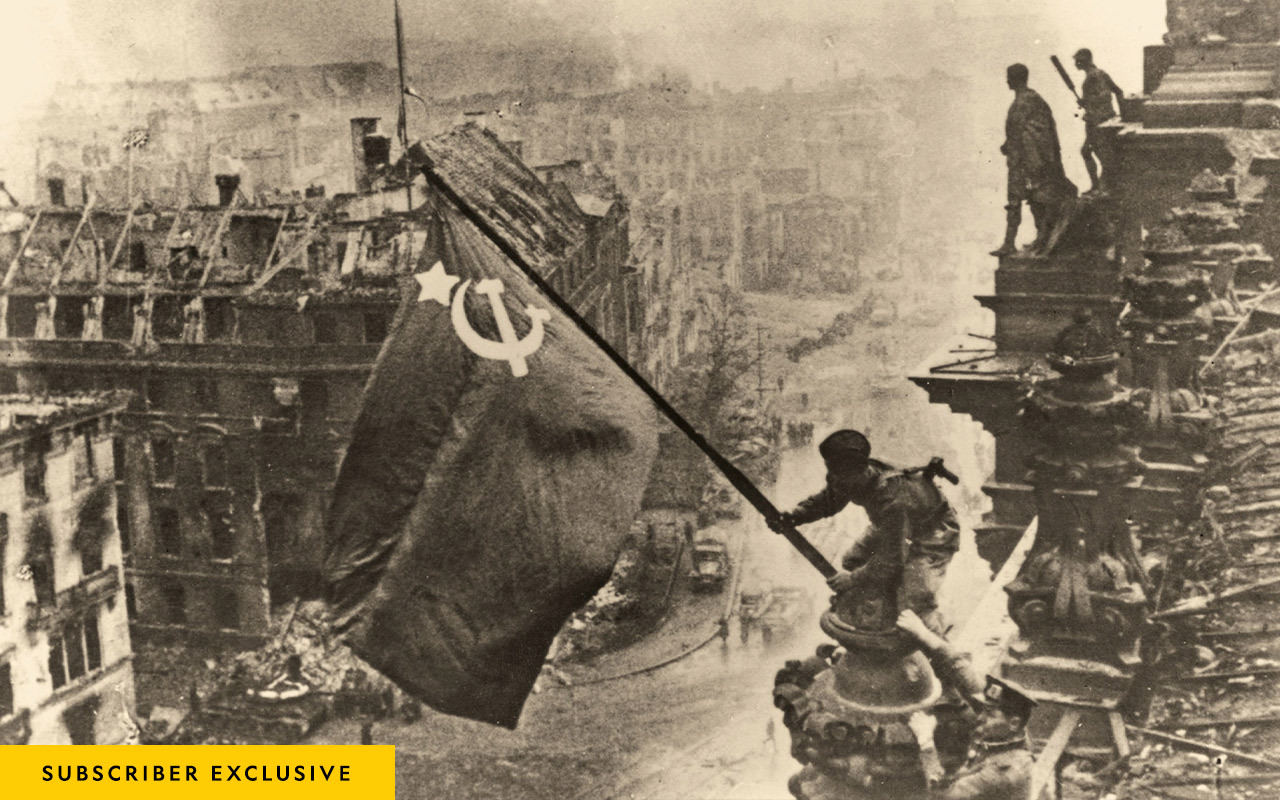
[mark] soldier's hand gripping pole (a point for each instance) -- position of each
(735, 476)
(1062, 71)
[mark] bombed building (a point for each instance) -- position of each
(245, 334)
(66, 673)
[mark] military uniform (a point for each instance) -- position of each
(994, 772)
(1095, 97)
(913, 529)
(1034, 154)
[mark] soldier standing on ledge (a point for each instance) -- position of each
(1095, 99)
(1036, 176)
(914, 531)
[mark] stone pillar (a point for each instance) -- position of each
(847, 716)
(1080, 600)
(1169, 324)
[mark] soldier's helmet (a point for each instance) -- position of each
(847, 446)
(1009, 697)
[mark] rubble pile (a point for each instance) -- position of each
(305, 632)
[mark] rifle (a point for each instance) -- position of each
(1062, 71)
(936, 469)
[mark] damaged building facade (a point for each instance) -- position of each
(246, 334)
(756, 172)
(66, 671)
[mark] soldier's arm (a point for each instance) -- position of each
(1114, 89)
(826, 503)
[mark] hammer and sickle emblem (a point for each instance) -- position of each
(512, 348)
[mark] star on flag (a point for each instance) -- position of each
(436, 284)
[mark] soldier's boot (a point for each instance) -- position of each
(1013, 220)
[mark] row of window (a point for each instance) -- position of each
(225, 606)
(74, 651)
(170, 322)
(215, 509)
(212, 462)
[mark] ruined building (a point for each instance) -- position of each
(66, 671)
(246, 334)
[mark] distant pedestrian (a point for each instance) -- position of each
(769, 738)
(366, 733)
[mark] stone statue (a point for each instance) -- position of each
(1095, 99)
(45, 310)
(92, 329)
(1036, 176)
(193, 322)
(142, 326)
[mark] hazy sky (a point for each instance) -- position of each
(735, 41)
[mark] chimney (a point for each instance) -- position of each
(362, 127)
(57, 192)
(228, 185)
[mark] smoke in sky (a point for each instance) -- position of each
(735, 42)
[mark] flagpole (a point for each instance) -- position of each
(404, 111)
(735, 476)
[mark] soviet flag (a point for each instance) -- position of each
(497, 461)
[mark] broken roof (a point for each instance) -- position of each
(543, 227)
(23, 413)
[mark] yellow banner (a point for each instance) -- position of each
(314, 772)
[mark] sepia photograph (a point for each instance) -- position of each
(647, 399)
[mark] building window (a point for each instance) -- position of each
(137, 257)
(164, 395)
(222, 533)
(6, 690)
(33, 467)
(86, 470)
(57, 664)
(219, 320)
(168, 532)
(122, 522)
(90, 536)
(118, 457)
(206, 395)
(213, 457)
(40, 559)
(77, 652)
(324, 329)
(226, 611)
(73, 643)
(92, 644)
(375, 327)
(163, 461)
(130, 601)
(175, 603)
(281, 515)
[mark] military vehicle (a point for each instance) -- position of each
(710, 565)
